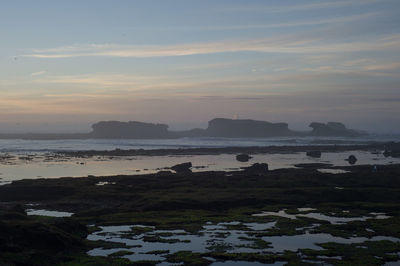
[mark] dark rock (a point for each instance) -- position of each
(37, 237)
(218, 127)
(392, 149)
(352, 159)
(243, 157)
(182, 168)
(313, 165)
(332, 129)
(237, 128)
(314, 154)
(163, 172)
(129, 130)
(257, 168)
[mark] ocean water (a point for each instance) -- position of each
(31, 159)
(24, 146)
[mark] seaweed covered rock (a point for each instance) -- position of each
(314, 154)
(243, 157)
(26, 240)
(257, 168)
(352, 159)
(182, 167)
(392, 149)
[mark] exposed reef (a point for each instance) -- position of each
(188, 202)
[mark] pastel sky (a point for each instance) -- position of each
(67, 64)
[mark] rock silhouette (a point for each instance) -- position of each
(314, 154)
(132, 129)
(218, 127)
(182, 168)
(352, 159)
(257, 168)
(332, 129)
(243, 157)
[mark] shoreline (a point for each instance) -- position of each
(32, 189)
(228, 150)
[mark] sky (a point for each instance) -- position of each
(67, 64)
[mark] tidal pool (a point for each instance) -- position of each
(308, 240)
(48, 213)
(45, 165)
(333, 171)
(246, 263)
(213, 237)
(323, 217)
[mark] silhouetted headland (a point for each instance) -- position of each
(218, 127)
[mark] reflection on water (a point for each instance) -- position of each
(333, 171)
(48, 213)
(323, 217)
(246, 263)
(219, 237)
(42, 166)
(12, 145)
(307, 240)
(211, 237)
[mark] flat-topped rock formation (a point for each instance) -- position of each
(332, 129)
(222, 127)
(129, 130)
(218, 127)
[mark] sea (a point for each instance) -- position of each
(27, 159)
(24, 146)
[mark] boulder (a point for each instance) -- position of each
(314, 154)
(243, 157)
(392, 149)
(257, 168)
(352, 159)
(182, 167)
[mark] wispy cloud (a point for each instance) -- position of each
(102, 80)
(303, 7)
(38, 73)
(388, 66)
(282, 44)
(296, 23)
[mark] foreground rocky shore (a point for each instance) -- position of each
(189, 201)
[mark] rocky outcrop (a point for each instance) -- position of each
(218, 127)
(392, 149)
(237, 128)
(130, 130)
(352, 159)
(257, 168)
(182, 168)
(243, 157)
(332, 129)
(314, 154)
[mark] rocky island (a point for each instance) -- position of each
(218, 127)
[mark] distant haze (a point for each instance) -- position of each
(65, 65)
